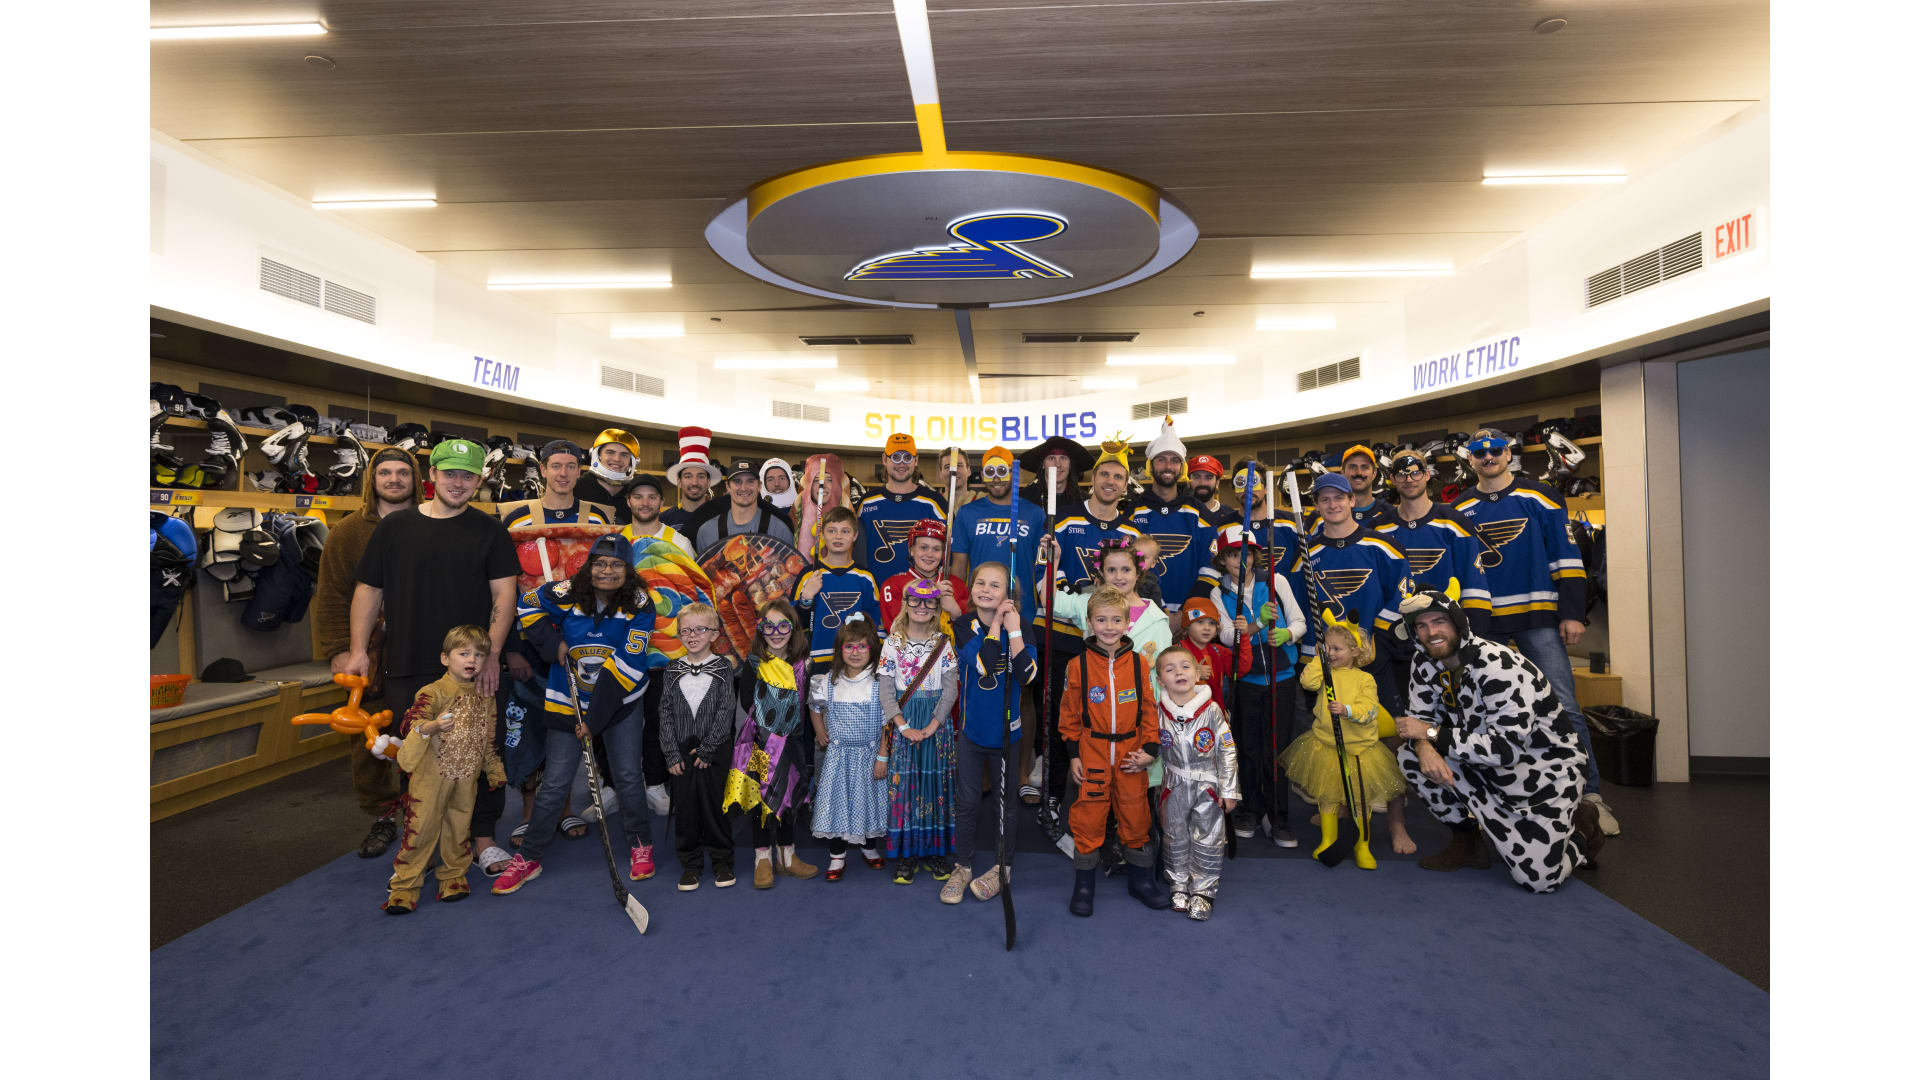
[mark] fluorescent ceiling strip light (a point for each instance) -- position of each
(841, 386)
(1294, 322)
(552, 286)
(260, 30)
(973, 383)
(1096, 382)
(630, 332)
(1169, 360)
(776, 362)
(376, 204)
(1505, 179)
(916, 41)
(1279, 273)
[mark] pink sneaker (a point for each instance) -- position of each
(642, 863)
(519, 871)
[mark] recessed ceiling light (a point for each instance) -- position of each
(1294, 322)
(1096, 382)
(375, 204)
(1503, 179)
(1169, 359)
(575, 283)
(1276, 273)
(321, 62)
(773, 362)
(258, 30)
(840, 386)
(1549, 26)
(629, 332)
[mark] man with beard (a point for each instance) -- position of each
(888, 515)
(1203, 486)
(776, 485)
(1489, 747)
(1539, 583)
(643, 496)
(1179, 526)
(441, 564)
(1067, 459)
(610, 467)
(392, 483)
(743, 513)
(694, 474)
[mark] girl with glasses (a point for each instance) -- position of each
(766, 779)
(919, 660)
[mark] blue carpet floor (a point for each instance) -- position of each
(1303, 971)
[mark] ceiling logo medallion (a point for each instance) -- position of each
(986, 251)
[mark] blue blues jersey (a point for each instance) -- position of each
(1534, 571)
(983, 673)
(608, 649)
(885, 520)
(981, 531)
(1363, 577)
(1079, 536)
(1185, 539)
(1443, 546)
(844, 590)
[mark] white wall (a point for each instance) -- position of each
(1724, 500)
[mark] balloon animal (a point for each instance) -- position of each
(351, 719)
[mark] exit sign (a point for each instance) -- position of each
(1734, 236)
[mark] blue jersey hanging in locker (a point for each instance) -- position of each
(1533, 566)
(886, 517)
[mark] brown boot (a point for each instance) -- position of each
(1465, 849)
(793, 866)
(763, 873)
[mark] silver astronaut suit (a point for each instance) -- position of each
(1200, 767)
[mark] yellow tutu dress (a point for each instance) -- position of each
(1312, 763)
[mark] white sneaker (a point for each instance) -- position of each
(1608, 823)
(658, 800)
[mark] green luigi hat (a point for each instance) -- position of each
(464, 455)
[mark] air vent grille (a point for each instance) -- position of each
(1645, 271)
(1164, 407)
(352, 303)
(863, 339)
(282, 280)
(1110, 337)
(795, 410)
(633, 382)
(1328, 375)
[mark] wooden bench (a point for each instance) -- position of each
(227, 737)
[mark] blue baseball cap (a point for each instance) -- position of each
(1488, 439)
(612, 544)
(1331, 480)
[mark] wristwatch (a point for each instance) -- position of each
(1433, 732)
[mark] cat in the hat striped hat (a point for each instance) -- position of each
(696, 453)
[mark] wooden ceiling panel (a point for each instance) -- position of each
(539, 166)
(394, 14)
(1361, 54)
(1363, 206)
(561, 76)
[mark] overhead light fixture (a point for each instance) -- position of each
(575, 283)
(1277, 273)
(1507, 179)
(257, 30)
(774, 362)
(841, 386)
(1169, 359)
(1294, 322)
(376, 204)
(1096, 382)
(626, 333)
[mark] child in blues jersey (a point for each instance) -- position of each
(985, 638)
(829, 594)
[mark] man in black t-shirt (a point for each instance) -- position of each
(434, 567)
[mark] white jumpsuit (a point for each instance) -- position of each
(1202, 767)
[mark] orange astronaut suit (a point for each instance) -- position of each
(1107, 713)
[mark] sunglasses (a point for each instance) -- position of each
(771, 627)
(901, 457)
(1485, 453)
(1240, 483)
(997, 472)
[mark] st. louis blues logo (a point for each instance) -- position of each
(891, 532)
(1090, 562)
(1421, 560)
(1337, 585)
(1172, 545)
(985, 252)
(838, 604)
(1496, 535)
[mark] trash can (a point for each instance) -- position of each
(1622, 744)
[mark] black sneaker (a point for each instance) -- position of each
(903, 870)
(379, 838)
(722, 877)
(689, 879)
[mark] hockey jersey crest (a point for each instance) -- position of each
(885, 520)
(1444, 546)
(1363, 577)
(1535, 576)
(1185, 540)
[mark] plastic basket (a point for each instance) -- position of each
(166, 690)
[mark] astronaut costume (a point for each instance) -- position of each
(1201, 768)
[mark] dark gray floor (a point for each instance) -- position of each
(1692, 860)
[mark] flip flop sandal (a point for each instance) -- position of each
(1030, 794)
(571, 823)
(519, 831)
(493, 861)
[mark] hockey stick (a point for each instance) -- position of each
(1048, 723)
(1007, 749)
(1336, 852)
(621, 896)
(1243, 601)
(1276, 795)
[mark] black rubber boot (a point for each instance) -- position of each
(1144, 885)
(1082, 902)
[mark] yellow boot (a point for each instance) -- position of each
(1329, 830)
(1362, 857)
